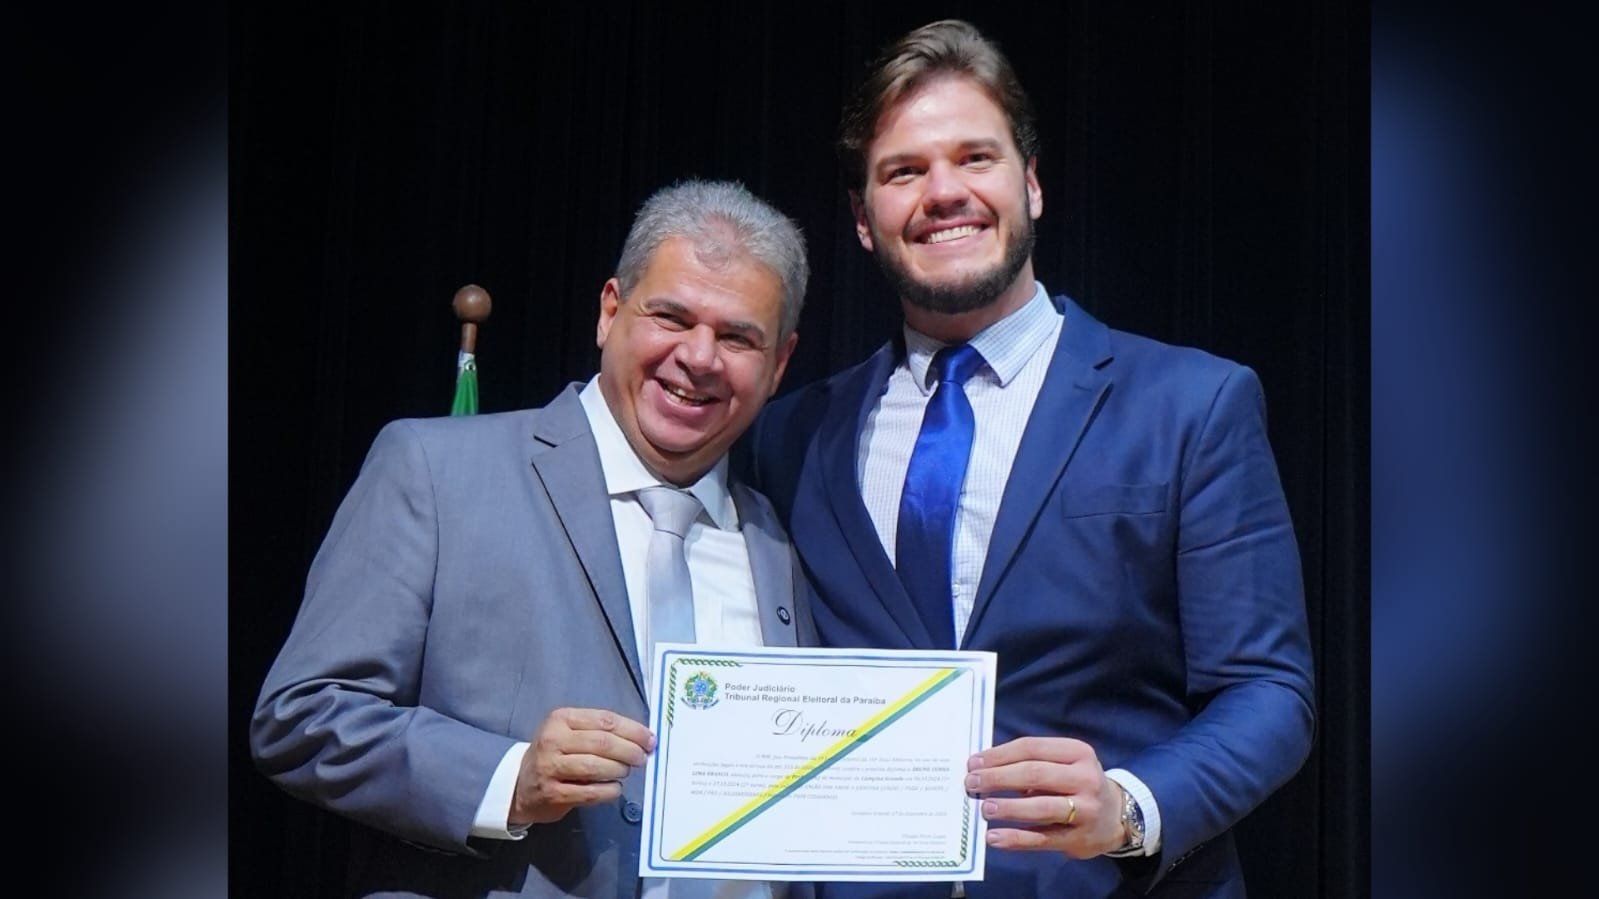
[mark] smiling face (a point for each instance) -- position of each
(948, 208)
(690, 355)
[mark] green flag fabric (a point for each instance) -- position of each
(465, 385)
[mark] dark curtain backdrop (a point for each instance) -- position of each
(1205, 177)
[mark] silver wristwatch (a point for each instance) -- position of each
(1133, 820)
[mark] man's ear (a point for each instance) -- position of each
(1035, 194)
(857, 205)
(610, 302)
(785, 351)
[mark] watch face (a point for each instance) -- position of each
(1133, 817)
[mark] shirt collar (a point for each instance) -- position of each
(626, 474)
(1006, 345)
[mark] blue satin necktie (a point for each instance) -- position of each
(924, 543)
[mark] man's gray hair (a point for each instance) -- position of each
(721, 219)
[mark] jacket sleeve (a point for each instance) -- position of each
(1245, 634)
(338, 722)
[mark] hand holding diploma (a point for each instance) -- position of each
(1059, 795)
(579, 757)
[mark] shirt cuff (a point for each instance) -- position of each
(494, 811)
(1146, 804)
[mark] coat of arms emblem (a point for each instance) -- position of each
(699, 692)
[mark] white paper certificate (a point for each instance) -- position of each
(815, 764)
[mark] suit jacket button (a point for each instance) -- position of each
(631, 812)
(782, 614)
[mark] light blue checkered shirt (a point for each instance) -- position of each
(1017, 349)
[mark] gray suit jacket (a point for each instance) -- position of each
(470, 583)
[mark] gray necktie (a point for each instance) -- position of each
(667, 587)
(670, 594)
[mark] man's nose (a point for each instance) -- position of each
(697, 348)
(946, 188)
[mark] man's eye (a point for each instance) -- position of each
(902, 174)
(738, 341)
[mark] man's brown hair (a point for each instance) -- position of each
(943, 48)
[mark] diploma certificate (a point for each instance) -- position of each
(815, 764)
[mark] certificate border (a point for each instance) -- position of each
(979, 664)
(942, 677)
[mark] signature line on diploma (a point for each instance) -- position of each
(815, 766)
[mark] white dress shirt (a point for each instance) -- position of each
(1016, 351)
(725, 612)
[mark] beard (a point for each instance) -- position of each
(967, 292)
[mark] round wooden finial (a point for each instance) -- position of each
(472, 304)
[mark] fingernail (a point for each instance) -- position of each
(990, 809)
(973, 781)
(973, 763)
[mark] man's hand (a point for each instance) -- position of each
(578, 758)
(1053, 780)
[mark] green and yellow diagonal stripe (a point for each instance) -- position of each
(873, 726)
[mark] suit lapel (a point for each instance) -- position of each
(838, 444)
(566, 462)
(1073, 391)
(771, 567)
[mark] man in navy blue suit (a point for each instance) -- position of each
(1009, 474)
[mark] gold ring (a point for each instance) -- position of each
(1071, 814)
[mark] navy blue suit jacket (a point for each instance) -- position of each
(1142, 590)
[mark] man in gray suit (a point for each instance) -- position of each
(464, 675)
